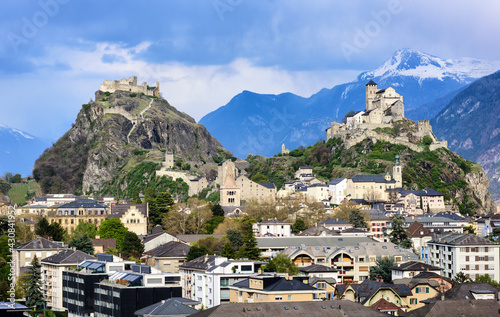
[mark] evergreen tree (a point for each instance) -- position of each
(461, 278)
(82, 243)
(382, 269)
(217, 210)
(398, 233)
(282, 264)
(195, 252)
(357, 220)
(227, 250)
(159, 208)
(212, 224)
(34, 295)
(135, 197)
(85, 228)
(298, 226)
(132, 245)
(4, 288)
(57, 232)
(113, 228)
(249, 250)
(42, 228)
(235, 238)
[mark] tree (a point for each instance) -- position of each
(196, 252)
(42, 228)
(249, 249)
(113, 228)
(298, 226)
(227, 250)
(427, 140)
(259, 178)
(470, 229)
(486, 279)
(83, 243)
(135, 196)
(461, 278)
(23, 232)
(217, 210)
(227, 224)
(4, 288)
(175, 222)
(85, 228)
(198, 218)
(235, 238)
(399, 235)
(132, 245)
(357, 220)
(159, 208)
(282, 264)
(16, 178)
(34, 295)
(382, 269)
(212, 224)
(57, 232)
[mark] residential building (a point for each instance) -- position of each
(322, 278)
(370, 187)
(438, 224)
(52, 268)
(53, 199)
(336, 224)
(263, 288)
(69, 215)
(167, 257)
(387, 307)
(468, 291)
(378, 222)
(419, 237)
(207, 279)
(172, 307)
(39, 247)
(411, 269)
(424, 286)
(257, 191)
(337, 189)
(156, 239)
(307, 308)
(466, 253)
(103, 245)
(303, 170)
(464, 307)
(272, 228)
(316, 192)
(133, 216)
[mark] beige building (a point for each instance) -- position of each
(167, 257)
(169, 160)
(69, 215)
(130, 85)
(265, 288)
(40, 247)
(52, 268)
(133, 216)
(258, 191)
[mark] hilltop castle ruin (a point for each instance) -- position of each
(384, 108)
(130, 84)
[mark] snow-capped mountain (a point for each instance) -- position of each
(19, 150)
(426, 82)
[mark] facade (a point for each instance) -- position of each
(54, 199)
(167, 257)
(466, 253)
(130, 85)
(317, 192)
(411, 269)
(69, 215)
(133, 216)
(169, 160)
(337, 189)
(372, 188)
(257, 191)
(272, 228)
(40, 247)
(154, 240)
(378, 222)
(230, 192)
(52, 270)
(264, 288)
(336, 224)
(207, 279)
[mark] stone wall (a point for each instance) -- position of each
(130, 85)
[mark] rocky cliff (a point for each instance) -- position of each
(114, 134)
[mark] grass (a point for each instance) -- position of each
(18, 192)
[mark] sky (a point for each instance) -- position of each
(55, 53)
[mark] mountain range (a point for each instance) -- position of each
(259, 123)
(19, 150)
(470, 123)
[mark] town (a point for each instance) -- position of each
(355, 246)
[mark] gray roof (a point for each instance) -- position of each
(195, 237)
(335, 181)
(465, 290)
(462, 239)
(317, 268)
(335, 308)
(83, 203)
(68, 256)
(40, 244)
(117, 211)
(268, 185)
(276, 283)
(468, 308)
(284, 242)
(176, 306)
(415, 266)
(372, 179)
(170, 249)
(368, 288)
(334, 222)
(201, 263)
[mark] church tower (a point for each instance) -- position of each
(397, 172)
(371, 91)
(230, 193)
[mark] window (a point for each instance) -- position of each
(278, 297)
(289, 297)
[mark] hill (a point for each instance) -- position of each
(463, 183)
(259, 124)
(19, 150)
(118, 142)
(470, 123)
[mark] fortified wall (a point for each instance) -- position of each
(130, 85)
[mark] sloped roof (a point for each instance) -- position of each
(268, 185)
(117, 211)
(371, 83)
(201, 263)
(416, 229)
(466, 308)
(83, 203)
(371, 179)
(105, 243)
(336, 181)
(368, 288)
(68, 257)
(415, 266)
(317, 268)
(170, 307)
(334, 221)
(462, 239)
(464, 291)
(384, 305)
(40, 244)
(170, 249)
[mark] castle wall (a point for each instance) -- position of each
(131, 86)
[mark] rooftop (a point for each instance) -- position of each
(68, 256)
(40, 244)
(462, 239)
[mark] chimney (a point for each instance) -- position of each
(259, 271)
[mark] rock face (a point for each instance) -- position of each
(470, 123)
(116, 132)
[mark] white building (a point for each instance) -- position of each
(206, 279)
(272, 228)
(337, 189)
(412, 268)
(466, 253)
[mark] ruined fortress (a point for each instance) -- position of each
(130, 85)
(384, 108)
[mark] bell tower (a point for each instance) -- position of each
(371, 90)
(397, 172)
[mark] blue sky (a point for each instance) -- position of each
(55, 53)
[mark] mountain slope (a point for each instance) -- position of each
(120, 135)
(471, 125)
(19, 150)
(419, 77)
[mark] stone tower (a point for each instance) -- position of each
(230, 193)
(371, 91)
(397, 172)
(169, 160)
